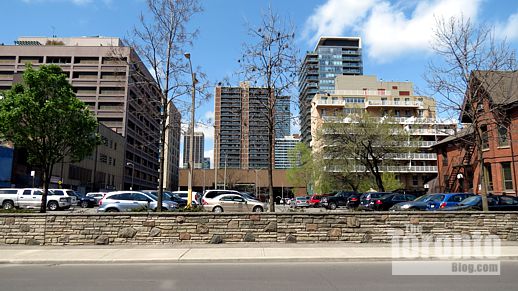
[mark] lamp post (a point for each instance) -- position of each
(191, 145)
(132, 173)
(216, 162)
(225, 178)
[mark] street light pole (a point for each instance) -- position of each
(132, 173)
(216, 163)
(191, 145)
(225, 178)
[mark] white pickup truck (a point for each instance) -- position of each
(31, 198)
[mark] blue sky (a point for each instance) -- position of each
(395, 34)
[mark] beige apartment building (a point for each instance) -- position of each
(113, 82)
(417, 114)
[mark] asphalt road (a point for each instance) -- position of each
(242, 276)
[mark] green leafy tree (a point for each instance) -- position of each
(43, 115)
(303, 171)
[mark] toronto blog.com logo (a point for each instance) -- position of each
(418, 253)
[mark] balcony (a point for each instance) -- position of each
(412, 156)
(359, 92)
(388, 103)
(392, 169)
(321, 102)
(442, 132)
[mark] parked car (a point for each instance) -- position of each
(213, 193)
(196, 197)
(495, 203)
(31, 198)
(301, 201)
(81, 199)
(337, 200)
(120, 201)
(353, 201)
(170, 196)
(388, 200)
(443, 200)
(67, 193)
(315, 199)
(96, 195)
(420, 203)
(232, 203)
(366, 201)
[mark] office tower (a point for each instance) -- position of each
(332, 56)
(282, 116)
(115, 85)
(199, 149)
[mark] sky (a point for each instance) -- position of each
(395, 35)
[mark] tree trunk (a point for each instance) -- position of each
(270, 169)
(483, 184)
(379, 181)
(163, 127)
(47, 170)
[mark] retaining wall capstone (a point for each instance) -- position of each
(174, 228)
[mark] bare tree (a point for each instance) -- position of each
(462, 78)
(270, 60)
(358, 144)
(161, 41)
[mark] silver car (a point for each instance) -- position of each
(120, 201)
(232, 203)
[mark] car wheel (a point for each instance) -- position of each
(258, 209)
(84, 204)
(217, 209)
(8, 205)
(112, 210)
(332, 205)
(53, 206)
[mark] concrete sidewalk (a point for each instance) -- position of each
(214, 254)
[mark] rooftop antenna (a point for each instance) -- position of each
(53, 31)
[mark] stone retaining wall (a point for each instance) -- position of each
(172, 228)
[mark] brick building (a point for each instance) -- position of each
(497, 119)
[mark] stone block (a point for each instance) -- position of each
(102, 240)
(414, 219)
(11, 241)
(202, 228)
(155, 231)
(311, 227)
(334, 232)
(271, 227)
(127, 232)
(148, 223)
(9, 220)
(185, 236)
(353, 221)
(233, 224)
(216, 239)
(290, 239)
(25, 228)
(255, 217)
(64, 239)
(249, 237)
(180, 219)
(32, 242)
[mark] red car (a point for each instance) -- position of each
(315, 199)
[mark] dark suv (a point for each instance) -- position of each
(389, 200)
(337, 200)
(367, 200)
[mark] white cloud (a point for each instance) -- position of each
(332, 17)
(509, 29)
(388, 30)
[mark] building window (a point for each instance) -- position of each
(485, 137)
(488, 177)
(415, 180)
(503, 139)
(507, 176)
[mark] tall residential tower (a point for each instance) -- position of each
(333, 56)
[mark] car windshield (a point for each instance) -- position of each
(301, 198)
(470, 200)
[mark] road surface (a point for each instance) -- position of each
(241, 276)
